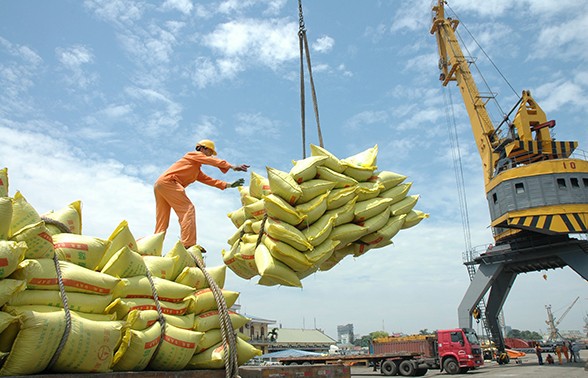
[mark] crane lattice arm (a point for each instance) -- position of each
(455, 68)
(553, 331)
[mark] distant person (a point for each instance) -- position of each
(566, 351)
(538, 351)
(575, 351)
(558, 352)
(549, 359)
(170, 188)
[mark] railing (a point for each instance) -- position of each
(472, 254)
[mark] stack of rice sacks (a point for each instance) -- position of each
(295, 223)
(115, 322)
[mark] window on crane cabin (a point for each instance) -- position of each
(520, 188)
(561, 183)
(585, 181)
(574, 182)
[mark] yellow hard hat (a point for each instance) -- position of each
(208, 144)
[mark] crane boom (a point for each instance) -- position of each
(455, 68)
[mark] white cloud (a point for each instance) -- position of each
(498, 8)
(562, 93)
(323, 44)
(319, 67)
(18, 71)
(74, 57)
(74, 60)
(412, 17)
(184, 6)
(163, 114)
(567, 39)
(365, 118)
(206, 128)
(120, 12)
(204, 73)
(242, 44)
(237, 6)
(344, 71)
(268, 42)
(64, 176)
(116, 111)
(375, 33)
(251, 125)
(152, 48)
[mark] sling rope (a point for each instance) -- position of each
(229, 337)
(303, 45)
(62, 227)
(160, 317)
(261, 230)
(65, 303)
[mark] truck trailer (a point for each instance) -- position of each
(452, 350)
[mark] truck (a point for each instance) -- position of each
(451, 350)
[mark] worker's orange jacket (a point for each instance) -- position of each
(187, 170)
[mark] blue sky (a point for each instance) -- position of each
(99, 97)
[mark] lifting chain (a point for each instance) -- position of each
(303, 44)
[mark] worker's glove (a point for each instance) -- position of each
(237, 183)
(241, 168)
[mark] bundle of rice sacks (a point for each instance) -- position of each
(292, 224)
(129, 306)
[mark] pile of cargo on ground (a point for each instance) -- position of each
(130, 308)
(295, 223)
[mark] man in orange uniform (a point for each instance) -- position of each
(170, 188)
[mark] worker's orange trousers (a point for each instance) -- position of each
(171, 195)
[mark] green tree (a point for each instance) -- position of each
(531, 335)
(377, 334)
(365, 340)
(525, 335)
(424, 331)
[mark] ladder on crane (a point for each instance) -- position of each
(480, 310)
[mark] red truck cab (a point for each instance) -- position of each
(459, 350)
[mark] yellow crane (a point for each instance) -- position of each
(537, 192)
(531, 181)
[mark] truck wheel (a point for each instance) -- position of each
(406, 368)
(451, 366)
(389, 368)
